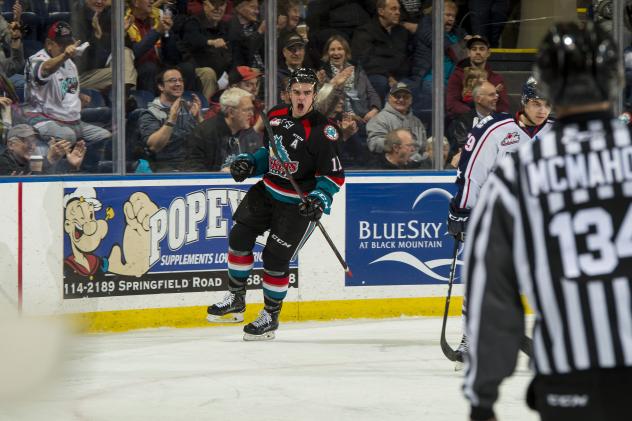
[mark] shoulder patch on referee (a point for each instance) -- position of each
(330, 132)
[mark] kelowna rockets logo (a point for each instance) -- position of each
(414, 235)
(283, 159)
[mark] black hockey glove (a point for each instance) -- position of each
(457, 222)
(241, 168)
(312, 208)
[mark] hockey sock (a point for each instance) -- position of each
(275, 286)
(240, 264)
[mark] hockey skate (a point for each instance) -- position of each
(262, 329)
(230, 310)
(461, 350)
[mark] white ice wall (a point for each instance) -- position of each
(320, 275)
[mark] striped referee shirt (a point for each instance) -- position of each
(554, 222)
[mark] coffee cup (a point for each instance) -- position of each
(37, 163)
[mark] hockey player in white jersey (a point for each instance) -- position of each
(488, 142)
(494, 137)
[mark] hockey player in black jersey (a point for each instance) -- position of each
(554, 221)
(306, 142)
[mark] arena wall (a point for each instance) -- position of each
(390, 228)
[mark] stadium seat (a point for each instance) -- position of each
(133, 144)
(58, 6)
(142, 98)
(32, 26)
(31, 46)
(99, 116)
(188, 95)
(57, 16)
(33, 6)
(97, 98)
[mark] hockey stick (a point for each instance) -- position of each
(450, 353)
(526, 343)
(287, 174)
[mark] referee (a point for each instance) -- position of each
(555, 222)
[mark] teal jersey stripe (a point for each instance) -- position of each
(273, 294)
(239, 273)
(326, 185)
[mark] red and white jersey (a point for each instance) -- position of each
(55, 96)
(494, 137)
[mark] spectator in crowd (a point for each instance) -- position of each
(330, 17)
(351, 81)
(94, 25)
(215, 142)
(283, 85)
(454, 52)
(293, 51)
(381, 47)
(246, 33)
(471, 76)
(204, 44)
(145, 36)
(411, 13)
(18, 158)
(246, 78)
(289, 16)
(485, 102)
(52, 94)
(353, 150)
(167, 123)
(399, 149)
(7, 102)
(478, 54)
(12, 51)
(396, 114)
(428, 163)
(488, 17)
(11, 67)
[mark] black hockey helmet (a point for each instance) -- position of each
(303, 75)
(530, 91)
(578, 65)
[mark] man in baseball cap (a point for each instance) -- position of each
(478, 54)
(476, 38)
(54, 108)
(61, 33)
(293, 54)
(400, 87)
(245, 77)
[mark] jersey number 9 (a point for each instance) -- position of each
(469, 145)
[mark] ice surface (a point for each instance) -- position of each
(365, 370)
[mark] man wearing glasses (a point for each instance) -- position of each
(19, 156)
(167, 123)
(399, 147)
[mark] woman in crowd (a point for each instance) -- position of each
(350, 81)
(349, 98)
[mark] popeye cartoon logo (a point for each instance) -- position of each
(86, 233)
